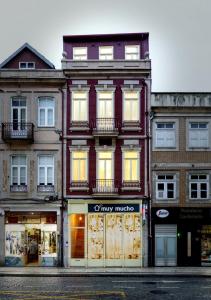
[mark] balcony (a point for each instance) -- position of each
(105, 127)
(45, 188)
(103, 187)
(23, 131)
(79, 186)
(18, 188)
(79, 126)
(131, 186)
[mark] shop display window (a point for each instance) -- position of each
(14, 243)
(206, 245)
(132, 236)
(77, 235)
(95, 236)
(48, 242)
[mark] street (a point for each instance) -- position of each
(106, 288)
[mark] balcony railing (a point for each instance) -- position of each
(131, 185)
(105, 186)
(105, 126)
(79, 185)
(18, 188)
(18, 131)
(45, 188)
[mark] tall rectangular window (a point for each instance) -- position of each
(79, 166)
(80, 106)
(131, 166)
(198, 135)
(46, 112)
(166, 186)
(105, 52)
(79, 53)
(165, 135)
(18, 170)
(46, 170)
(105, 104)
(131, 106)
(198, 186)
(132, 52)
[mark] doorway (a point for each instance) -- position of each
(33, 239)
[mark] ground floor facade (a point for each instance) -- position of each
(181, 236)
(104, 233)
(30, 237)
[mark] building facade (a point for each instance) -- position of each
(181, 178)
(30, 160)
(106, 149)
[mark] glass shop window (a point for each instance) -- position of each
(77, 237)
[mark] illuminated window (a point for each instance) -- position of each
(18, 170)
(105, 104)
(131, 106)
(77, 235)
(79, 166)
(46, 170)
(79, 106)
(106, 52)
(132, 52)
(79, 53)
(46, 112)
(131, 166)
(105, 163)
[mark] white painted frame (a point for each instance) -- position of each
(106, 90)
(197, 120)
(27, 65)
(198, 182)
(46, 167)
(85, 150)
(138, 151)
(106, 54)
(46, 111)
(124, 90)
(165, 183)
(78, 56)
(137, 53)
(18, 167)
(81, 90)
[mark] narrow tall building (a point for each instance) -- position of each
(30, 159)
(106, 152)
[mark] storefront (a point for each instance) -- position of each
(105, 235)
(31, 239)
(181, 236)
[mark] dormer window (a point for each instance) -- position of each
(26, 65)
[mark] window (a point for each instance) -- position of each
(198, 186)
(79, 53)
(132, 52)
(26, 65)
(46, 170)
(165, 136)
(198, 135)
(131, 106)
(18, 170)
(79, 106)
(105, 104)
(131, 166)
(46, 112)
(106, 52)
(79, 166)
(166, 187)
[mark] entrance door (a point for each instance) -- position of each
(33, 240)
(19, 115)
(165, 245)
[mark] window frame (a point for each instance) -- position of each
(86, 165)
(46, 170)
(19, 166)
(77, 55)
(27, 65)
(104, 47)
(138, 52)
(189, 130)
(86, 91)
(138, 106)
(165, 181)
(123, 165)
(198, 182)
(46, 109)
(174, 129)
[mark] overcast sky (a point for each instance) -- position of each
(180, 33)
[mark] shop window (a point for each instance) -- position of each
(79, 53)
(130, 166)
(198, 186)
(105, 52)
(198, 135)
(77, 235)
(131, 106)
(79, 106)
(165, 187)
(46, 107)
(132, 52)
(48, 242)
(18, 170)
(95, 236)
(165, 135)
(79, 166)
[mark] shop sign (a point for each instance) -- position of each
(113, 208)
(162, 213)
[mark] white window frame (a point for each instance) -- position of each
(165, 181)
(46, 168)
(27, 65)
(105, 56)
(79, 56)
(198, 182)
(87, 164)
(123, 108)
(109, 90)
(137, 151)
(46, 109)
(98, 151)
(135, 53)
(198, 134)
(86, 92)
(18, 166)
(165, 130)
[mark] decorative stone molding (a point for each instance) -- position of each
(181, 100)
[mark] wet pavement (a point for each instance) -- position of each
(105, 288)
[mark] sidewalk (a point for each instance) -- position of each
(71, 272)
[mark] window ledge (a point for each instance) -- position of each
(72, 189)
(131, 189)
(79, 128)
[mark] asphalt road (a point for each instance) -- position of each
(105, 288)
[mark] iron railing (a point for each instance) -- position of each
(105, 186)
(105, 125)
(18, 131)
(18, 188)
(45, 188)
(79, 184)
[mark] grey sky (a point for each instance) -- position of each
(180, 33)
